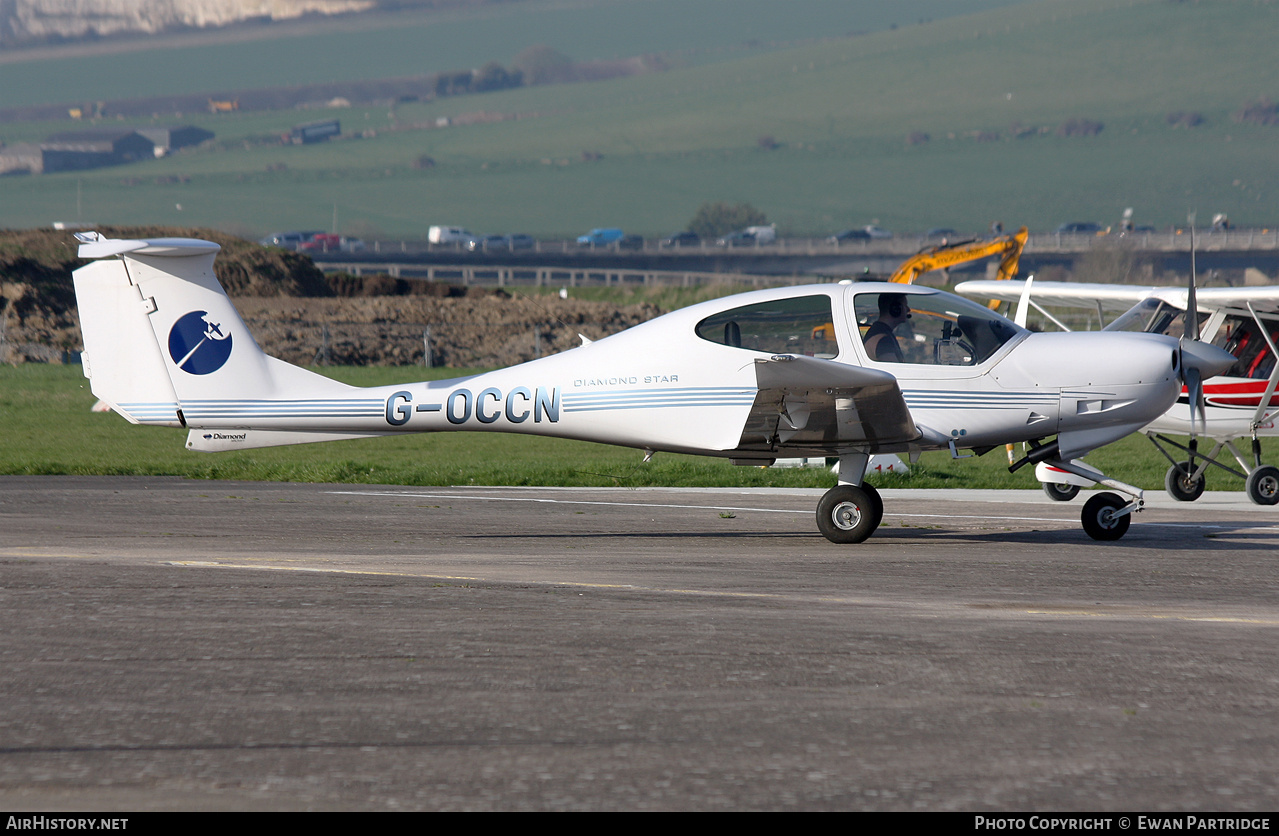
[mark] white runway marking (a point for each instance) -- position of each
(455, 496)
(564, 501)
(1067, 521)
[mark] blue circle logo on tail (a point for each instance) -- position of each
(198, 345)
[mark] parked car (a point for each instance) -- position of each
(600, 236)
(1080, 228)
(321, 242)
(687, 238)
(521, 242)
(288, 240)
(630, 242)
(877, 232)
(737, 238)
(487, 243)
(449, 235)
(940, 232)
(325, 242)
(849, 235)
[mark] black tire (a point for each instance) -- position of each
(1099, 520)
(1263, 485)
(1061, 491)
(847, 514)
(877, 510)
(1180, 484)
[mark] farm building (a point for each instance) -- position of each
(314, 131)
(21, 158)
(79, 150)
(171, 138)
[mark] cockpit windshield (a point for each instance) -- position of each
(1154, 316)
(930, 329)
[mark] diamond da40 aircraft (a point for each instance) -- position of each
(840, 370)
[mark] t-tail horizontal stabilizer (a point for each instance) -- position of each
(164, 343)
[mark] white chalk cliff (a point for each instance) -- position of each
(27, 21)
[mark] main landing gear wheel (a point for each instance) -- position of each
(1099, 517)
(1061, 491)
(878, 508)
(1181, 484)
(1263, 485)
(849, 514)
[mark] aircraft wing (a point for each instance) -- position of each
(1264, 300)
(813, 405)
(1111, 297)
(1121, 297)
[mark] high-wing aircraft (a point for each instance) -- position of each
(1241, 403)
(770, 373)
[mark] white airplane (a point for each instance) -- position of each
(753, 377)
(1240, 403)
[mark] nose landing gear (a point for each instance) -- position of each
(1106, 516)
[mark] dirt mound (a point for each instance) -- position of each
(459, 331)
(38, 320)
(297, 313)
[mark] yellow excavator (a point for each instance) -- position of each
(948, 255)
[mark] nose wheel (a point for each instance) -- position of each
(1183, 483)
(1105, 517)
(849, 513)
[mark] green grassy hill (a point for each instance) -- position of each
(412, 41)
(644, 152)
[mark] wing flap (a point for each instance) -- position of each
(813, 405)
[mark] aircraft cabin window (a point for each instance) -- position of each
(929, 329)
(795, 325)
(1239, 336)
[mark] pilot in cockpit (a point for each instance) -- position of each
(881, 342)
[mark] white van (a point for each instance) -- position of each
(448, 235)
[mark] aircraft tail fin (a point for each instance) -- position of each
(161, 335)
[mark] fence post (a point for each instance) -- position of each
(323, 357)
